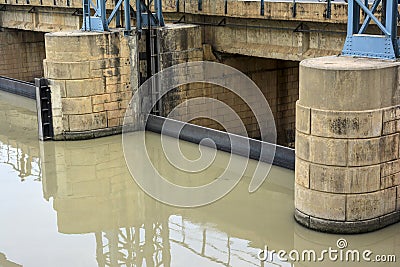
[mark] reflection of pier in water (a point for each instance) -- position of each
(19, 159)
(94, 193)
(22, 154)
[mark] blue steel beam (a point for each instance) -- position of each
(368, 18)
(114, 12)
(127, 15)
(100, 22)
(383, 45)
(144, 16)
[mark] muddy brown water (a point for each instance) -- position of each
(76, 204)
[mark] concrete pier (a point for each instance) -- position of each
(347, 145)
(90, 77)
(93, 75)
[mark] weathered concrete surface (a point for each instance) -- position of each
(92, 76)
(333, 77)
(347, 144)
(276, 34)
(238, 9)
(277, 80)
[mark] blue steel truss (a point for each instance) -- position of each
(100, 22)
(145, 17)
(384, 45)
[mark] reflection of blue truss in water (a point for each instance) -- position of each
(20, 160)
(149, 245)
(133, 246)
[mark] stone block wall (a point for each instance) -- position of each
(91, 81)
(21, 54)
(277, 80)
(93, 77)
(347, 145)
(288, 94)
(221, 119)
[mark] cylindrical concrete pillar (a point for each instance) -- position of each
(347, 144)
(92, 76)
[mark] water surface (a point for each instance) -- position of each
(76, 204)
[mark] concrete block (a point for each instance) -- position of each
(370, 205)
(363, 152)
(390, 127)
(125, 51)
(120, 79)
(389, 147)
(57, 112)
(346, 124)
(347, 84)
(60, 124)
(86, 87)
(391, 114)
(111, 106)
(344, 180)
(329, 206)
(78, 105)
(179, 37)
(98, 107)
(88, 121)
(101, 99)
(390, 168)
(302, 173)
(66, 70)
(112, 114)
(363, 179)
(303, 122)
(96, 73)
(119, 96)
(328, 151)
(99, 64)
(58, 87)
(114, 122)
(390, 181)
(302, 146)
(109, 72)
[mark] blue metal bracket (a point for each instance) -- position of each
(145, 17)
(99, 21)
(384, 45)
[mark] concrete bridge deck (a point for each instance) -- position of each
(290, 33)
(239, 28)
(273, 10)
